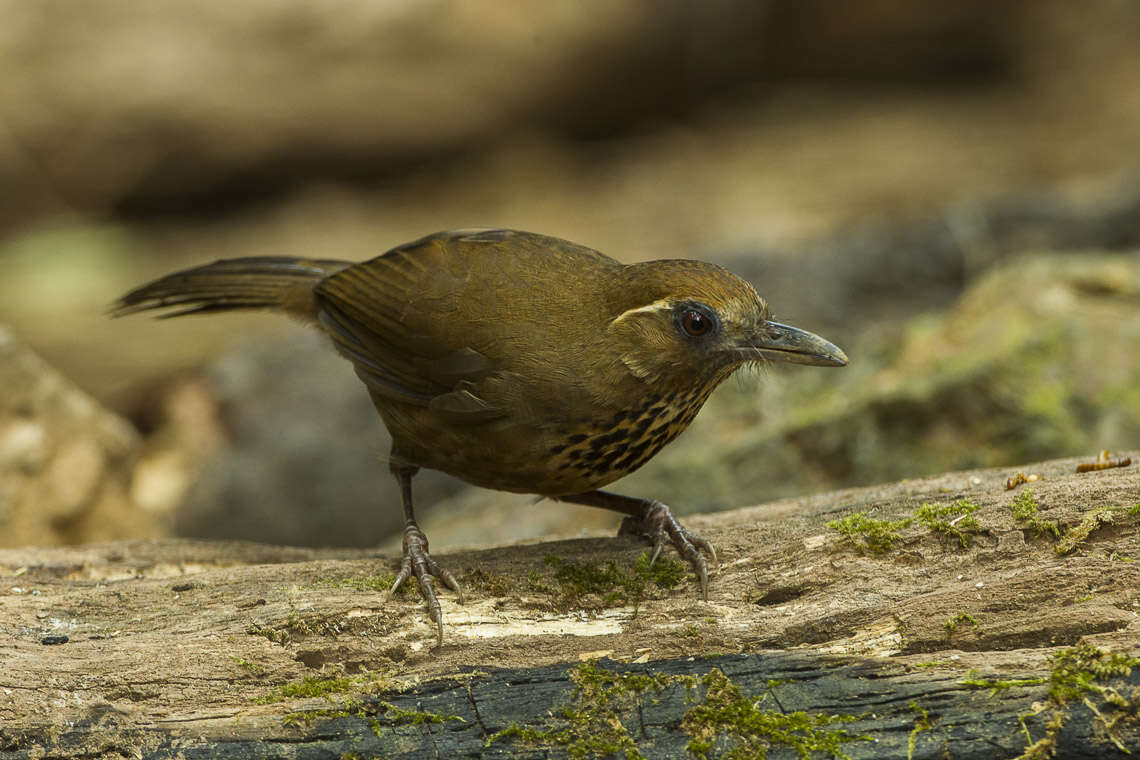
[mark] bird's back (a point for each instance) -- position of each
(483, 348)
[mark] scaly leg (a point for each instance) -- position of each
(417, 561)
(652, 519)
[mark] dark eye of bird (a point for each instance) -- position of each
(696, 323)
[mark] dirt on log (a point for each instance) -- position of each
(942, 617)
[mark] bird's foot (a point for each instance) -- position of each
(656, 523)
(419, 563)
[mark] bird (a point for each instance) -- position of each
(516, 361)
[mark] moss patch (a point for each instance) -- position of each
(1081, 673)
(955, 520)
(866, 534)
(592, 725)
(959, 620)
(250, 667)
(308, 688)
(582, 585)
(998, 685)
(921, 723)
(1078, 671)
(735, 726)
(722, 720)
(346, 698)
(1079, 533)
(491, 584)
(1026, 509)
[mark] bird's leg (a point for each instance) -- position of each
(652, 519)
(417, 561)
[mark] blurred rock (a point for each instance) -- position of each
(893, 270)
(302, 455)
(65, 462)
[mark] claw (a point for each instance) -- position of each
(656, 523)
(419, 563)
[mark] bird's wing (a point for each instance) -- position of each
(387, 317)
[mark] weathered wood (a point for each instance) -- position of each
(200, 649)
(965, 721)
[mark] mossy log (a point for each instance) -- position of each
(984, 638)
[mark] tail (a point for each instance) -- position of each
(275, 283)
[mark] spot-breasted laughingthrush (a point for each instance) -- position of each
(516, 361)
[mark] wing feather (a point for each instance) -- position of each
(369, 311)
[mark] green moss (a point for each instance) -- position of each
(1079, 533)
(400, 716)
(866, 534)
(737, 728)
(275, 635)
(933, 664)
(723, 719)
(489, 583)
(348, 692)
(309, 687)
(1134, 510)
(1042, 749)
(996, 686)
(592, 726)
(955, 520)
(1081, 672)
(952, 624)
(1077, 671)
(252, 667)
(921, 723)
(1026, 509)
(375, 711)
(583, 585)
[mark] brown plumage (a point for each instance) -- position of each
(516, 361)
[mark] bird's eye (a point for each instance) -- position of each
(695, 323)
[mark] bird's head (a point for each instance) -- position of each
(685, 321)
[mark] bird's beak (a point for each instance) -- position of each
(791, 344)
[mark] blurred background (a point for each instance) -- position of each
(948, 190)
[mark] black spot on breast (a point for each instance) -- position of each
(558, 449)
(601, 441)
(635, 454)
(592, 455)
(578, 438)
